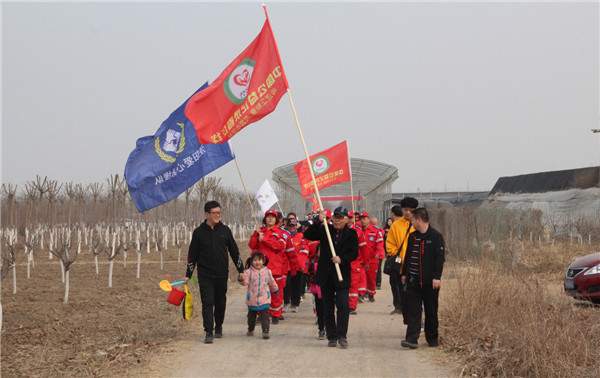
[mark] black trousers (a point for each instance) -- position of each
(213, 297)
(294, 288)
(336, 327)
(396, 287)
(264, 320)
(417, 299)
(319, 311)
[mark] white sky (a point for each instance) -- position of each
(453, 94)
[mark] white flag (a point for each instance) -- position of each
(266, 196)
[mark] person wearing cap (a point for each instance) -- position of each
(358, 285)
(298, 265)
(373, 240)
(395, 246)
(380, 249)
(333, 291)
(270, 240)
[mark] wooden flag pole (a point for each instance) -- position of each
(237, 166)
(314, 180)
(351, 186)
(312, 174)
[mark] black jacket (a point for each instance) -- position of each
(346, 248)
(431, 248)
(208, 250)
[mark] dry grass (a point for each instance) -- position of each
(513, 319)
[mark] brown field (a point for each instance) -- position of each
(101, 331)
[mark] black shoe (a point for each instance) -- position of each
(433, 344)
(353, 312)
(332, 343)
(281, 317)
(378, 287)
(208, 339)
(250, 333)
(275, 321)
(265, 335)
(321, 335)
(218, 334)
(396, 311)
(343, 343)
(371, 298)
(408, 344)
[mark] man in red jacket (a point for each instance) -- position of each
(270, 240)
(298, 263)
(373, 241)
(358, 284)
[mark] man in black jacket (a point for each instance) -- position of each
(211, 242)
(334, 292)
(422, 274)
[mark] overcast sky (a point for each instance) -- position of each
(452, 94)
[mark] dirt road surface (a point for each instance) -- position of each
(295, 351)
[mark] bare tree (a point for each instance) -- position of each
(63, 251)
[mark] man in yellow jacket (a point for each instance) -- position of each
(396, 244)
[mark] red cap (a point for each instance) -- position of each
(271, 212)
(351, 214)
(364, 214)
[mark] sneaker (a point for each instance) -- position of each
(321, 335)
(408, 344)
(208, 339)
(353, 312)
(281, 317)
(361, 299)
(286, 308)
(218, 334)
(265, 335)
(396, 311)
(332, 343)
(433, 344)
(371, 298)
(250, 333)
(294, 309)
(378, 287)
(275, 321)
(343, 343)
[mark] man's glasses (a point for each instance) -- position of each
(215, 212)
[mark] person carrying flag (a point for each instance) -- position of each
(270, 240)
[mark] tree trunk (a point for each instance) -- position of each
(179, 254)
(28, 267)
(110, 271)
(139, 263)
(62, 271)
(161, 260)
(14, 269)
(96, 262)
(124, 259)
(66, 298)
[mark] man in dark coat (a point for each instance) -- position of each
(335, 292)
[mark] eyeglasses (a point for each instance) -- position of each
(215, 212)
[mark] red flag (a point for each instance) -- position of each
(330, 167)
(246, 91)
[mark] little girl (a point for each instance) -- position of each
(261, 284)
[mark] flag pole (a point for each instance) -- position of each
(312, 174)
(237, 166)
(351, 179)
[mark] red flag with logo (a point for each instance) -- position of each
(330, 167)
(246, 91)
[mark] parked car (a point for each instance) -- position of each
(582, 279)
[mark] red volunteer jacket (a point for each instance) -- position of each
(273, 246)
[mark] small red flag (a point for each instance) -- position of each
(246, 91)
(330, 167)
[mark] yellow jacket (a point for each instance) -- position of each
(395, 238)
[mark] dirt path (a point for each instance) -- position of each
(294, 349)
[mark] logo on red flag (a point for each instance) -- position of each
(330, 167)
(246, 91)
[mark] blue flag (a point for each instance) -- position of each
(164, 165)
